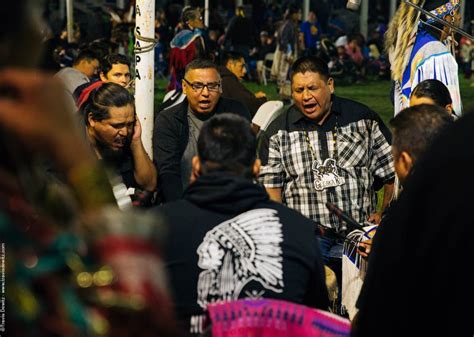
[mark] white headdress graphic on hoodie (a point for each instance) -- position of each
(243, 249)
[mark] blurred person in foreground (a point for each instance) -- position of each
(228, 240)
(419, 279)
(413, 130)
(66, 274)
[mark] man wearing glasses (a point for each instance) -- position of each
(177, 128)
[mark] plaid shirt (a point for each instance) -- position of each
(363, 158)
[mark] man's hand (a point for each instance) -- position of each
(364, 248)
(375, 218)
(144, 170)
(137, 131)
(260, 94)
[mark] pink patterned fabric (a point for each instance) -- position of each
(273, 318)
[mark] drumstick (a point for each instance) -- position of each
(344, 216)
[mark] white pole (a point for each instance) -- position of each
(206, 13)
(144, 69)
(70, 21)
(364, 18)
(305, 10)
(393, 8)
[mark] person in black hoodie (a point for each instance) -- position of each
(228, 240)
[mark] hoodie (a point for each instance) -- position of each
(227, 240)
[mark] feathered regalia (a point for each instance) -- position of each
(420, 44)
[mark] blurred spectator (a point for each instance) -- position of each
(232, 72)
(84, 68)
(161, 66)
(240, 34)
(186, 46)
(311, 31)
(213, 45)
(466, 56)
(286, 50)
(341, 66)
(353, 50)
(265, 46)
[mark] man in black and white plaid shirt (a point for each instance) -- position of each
(326, 149)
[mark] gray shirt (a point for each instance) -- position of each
(195, 125)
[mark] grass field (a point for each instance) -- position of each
(375, 94)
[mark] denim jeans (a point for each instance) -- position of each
(330, 248)
(331, 251)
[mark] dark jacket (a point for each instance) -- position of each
(170, 138)
(233, 88)
(226, 239)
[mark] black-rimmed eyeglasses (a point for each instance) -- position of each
(198, 86)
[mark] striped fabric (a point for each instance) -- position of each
(274, 318)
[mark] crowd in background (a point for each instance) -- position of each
(253, 31)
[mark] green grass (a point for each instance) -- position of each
(375, 94)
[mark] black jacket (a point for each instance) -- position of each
(170, 138)
(226, 239)
(233, 88)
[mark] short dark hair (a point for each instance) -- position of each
(109, 60)
(104, 97)
(232, 56)
(85, 54)
(312, 64)
(415, 128)
(227, 144)
(434, 89)
(189, 13)
(200, 63)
